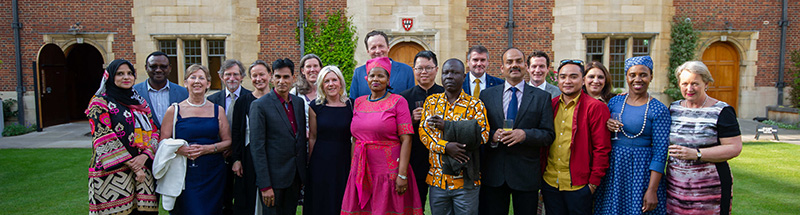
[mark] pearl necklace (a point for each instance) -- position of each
(194, 105)
(644, 120)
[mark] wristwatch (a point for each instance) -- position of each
(699, 155)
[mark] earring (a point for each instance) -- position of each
(706, 89)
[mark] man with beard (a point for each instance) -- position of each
(231, 73)
(278, 142)
(157, 90)
(538, 68)
(511, 163)
(425, 68)
(478, 60)
(453, 192)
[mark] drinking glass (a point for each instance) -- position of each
(192, 164)
(420, 103)
(618, 117)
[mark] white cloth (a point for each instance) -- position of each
(169, 170)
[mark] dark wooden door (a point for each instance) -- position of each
(53, 86)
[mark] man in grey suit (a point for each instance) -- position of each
(278, 141)
(538, 69)
(157, 90)
(511, 165)
(231, 73)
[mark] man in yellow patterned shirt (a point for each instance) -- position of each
(448, 194)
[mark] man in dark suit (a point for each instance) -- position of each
(231, 73)
(511, 165)
(278, 141)
(157, 90)
(478, 80)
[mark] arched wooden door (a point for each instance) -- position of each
(722, 60)
(53, 86)
(404, 52)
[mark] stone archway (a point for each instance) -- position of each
(404, 52)
(722, 60)
(67, 81)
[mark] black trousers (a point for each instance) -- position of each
(566, 202)
(285, 200)
(495, 200)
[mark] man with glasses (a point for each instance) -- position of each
(478, 80)
(425, 68)
(510, 166)
(157, 90)
(231, 73)
(578, 158)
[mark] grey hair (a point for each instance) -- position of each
(695, 67)
(321, 96)
(230, 63)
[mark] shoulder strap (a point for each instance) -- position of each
(175, 117)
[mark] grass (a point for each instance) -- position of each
(54, 181)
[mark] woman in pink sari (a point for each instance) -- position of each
(378, 181)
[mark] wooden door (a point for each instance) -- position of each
(722, 60)
(53, 86)
(404, 52)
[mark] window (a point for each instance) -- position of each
(185, 50)
(612, 49)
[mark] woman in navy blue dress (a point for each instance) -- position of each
(204, 126)
(329, 144)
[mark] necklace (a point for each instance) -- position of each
(194, 105)
(686, 103)
(644, 119)
(375, 100)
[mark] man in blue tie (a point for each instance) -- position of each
(511, 165)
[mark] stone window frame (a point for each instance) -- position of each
(629, 50)
(204, 49)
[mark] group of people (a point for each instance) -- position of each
(398, 138)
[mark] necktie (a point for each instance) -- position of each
(511, 113)
(229, 110)
(477, 91)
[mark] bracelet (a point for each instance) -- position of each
(215, 148)
(402, 177)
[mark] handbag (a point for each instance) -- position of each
(170, 168)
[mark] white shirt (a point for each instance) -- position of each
(542, 86)
(507, 95)
(159, 100)
(228, 96)
(472, 82)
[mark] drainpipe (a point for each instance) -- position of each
(16, 25)
(302, 25)
(510, 24)
(781, 63)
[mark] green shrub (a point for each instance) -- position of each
(333, 39)
(794, 58)
(781, 125)
(17, 129)
(7, 105)
(681, 49)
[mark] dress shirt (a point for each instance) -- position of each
(542, 86)
(159, 99)
(507, 95)
(472, 82)
(465, 107)
(557, 173)
(228, 98)
(289, 109)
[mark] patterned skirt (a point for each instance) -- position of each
(118, 192)
(698, 187)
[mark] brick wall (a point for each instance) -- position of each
(749, 16)
(533, 31)
(42, 16)
(278, 21)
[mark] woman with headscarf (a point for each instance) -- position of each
(597, 82)
(379, 172)
(205, 127)
(123, 136)
(246, 194)
(704, 135)
(634, 182)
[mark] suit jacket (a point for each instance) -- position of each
(490, 82)
(219, 97)
(245, 185)
(518, 165)
(552, 89)
(401, 79)
(278, 153)
(176, 94)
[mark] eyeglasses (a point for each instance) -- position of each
(155, 67)
(428, 69)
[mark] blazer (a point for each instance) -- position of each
(490, 82)
(518, 165)
(219, 97)
(591, 141)
(176, 94)
(552, 89)
(401, 79)
(278, 153)
(245, 185)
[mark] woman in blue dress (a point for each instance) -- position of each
(204, 125)
(634, 182)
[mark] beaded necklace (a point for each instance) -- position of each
(644, 120)
(194, 105)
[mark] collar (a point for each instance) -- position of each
(575, 100)
(237, 92)
(520, 86)
(150, 88)
(472, 78)
(281, 98)
(542, 86)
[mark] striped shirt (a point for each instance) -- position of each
(159, 99)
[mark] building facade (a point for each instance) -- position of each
(65, 44)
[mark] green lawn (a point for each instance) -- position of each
(53, 181)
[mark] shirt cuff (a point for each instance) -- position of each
(439, 146)
(266, 188)
(658, 166)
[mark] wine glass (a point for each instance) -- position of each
(193, 164)
(618, 118)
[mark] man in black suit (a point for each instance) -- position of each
(278, 141)
(478, 80)
(231, 72)
(511, 165)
